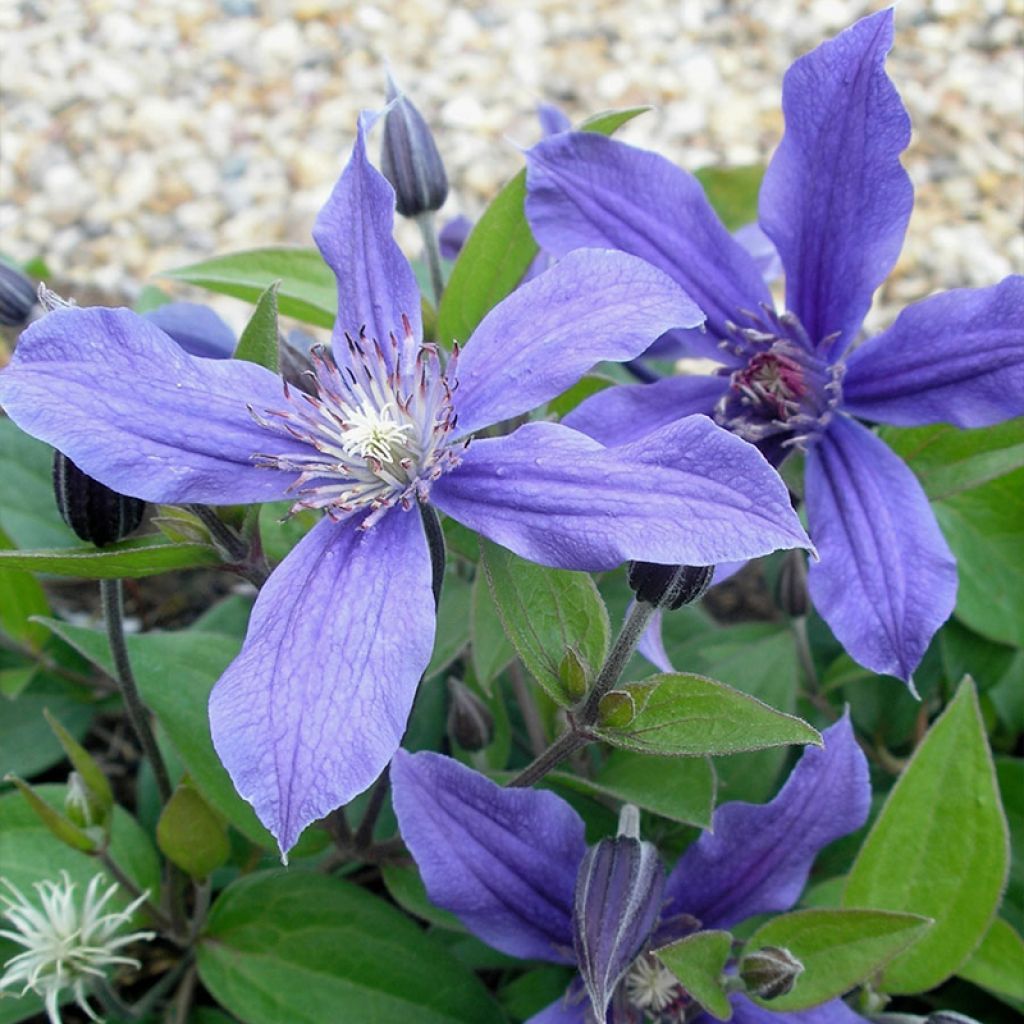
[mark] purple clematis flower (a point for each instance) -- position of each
(835, 201)
(197, 329)
(314, 706)
(513, 865)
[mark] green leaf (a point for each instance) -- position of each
(406, 888)
(838, 948)
(680, 790)
(687, 715)
(453, 616)
(499, 250)
(28, 510)
(998, 963)
(490, 651)
(545, 613)
(194, 661)
(948, 460)
(21, 597)
(258, 343)
(27, 744)
(757, 658)
(985, 529)
(133, 558)
(1010, 774)
(733, 191)
(308, 290)
(350, 955)
(938, 848)
(191, 834)
(28, 853)
(533, 991)
(91, 774)
(698, 961)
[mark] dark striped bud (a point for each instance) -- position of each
(17, 296)
(95, 512)
(669, 586)
(409, 158)
(770, 972)
(617, 903)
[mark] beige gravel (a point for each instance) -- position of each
(139, 135)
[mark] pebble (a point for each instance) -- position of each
(139, 137)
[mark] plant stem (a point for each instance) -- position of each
(112, 597)
(432, 251)
(435, 543)
(239, 552)
(565, 746)
(363, 838)
(528, 708)
(622, 650)
(160, 919)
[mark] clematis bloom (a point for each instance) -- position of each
(835, 201)
(314, 706)
(513, 866)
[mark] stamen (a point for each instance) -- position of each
(377, 429)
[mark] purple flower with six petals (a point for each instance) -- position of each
(314, 706)
(835, 201)
(508, 863)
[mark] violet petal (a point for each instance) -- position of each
(887, 579)
(957, 357)
(689, 493)
(836, 199)
(503, 860)
(757, 857)
(314, 706)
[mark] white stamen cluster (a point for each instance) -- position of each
(68, 945)
(650, 986)
(378, 428)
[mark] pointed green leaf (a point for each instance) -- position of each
(680, 790)
(91, 773)
(490, 650)
(688, 715)
(838, 949)
(308, 290)
(499, 250)
(545, 613)
(258, 343)
(733, 191)
(985, 529)
(948, 460)
(998, 963)
(939, 848)
(21, 598)
(129, 559)
(56, 821)
(698, 961)
(352, 957)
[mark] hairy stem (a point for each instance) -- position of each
(248, 557)
(363, 838)
(112, 596)
(565, 746)
(435, 543)
(432, 251)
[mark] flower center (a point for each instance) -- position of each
(654, 995)
(785, 393)
(377, 428)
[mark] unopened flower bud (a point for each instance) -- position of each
(81, 805)
(17, 296)
(617, 903)
(669, 586)
(573, 675)
(770, 972)
(470, 723)
(95, 512)
(791, 588)
(616, 709)
(409, 158)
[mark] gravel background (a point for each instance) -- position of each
(139, 135)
